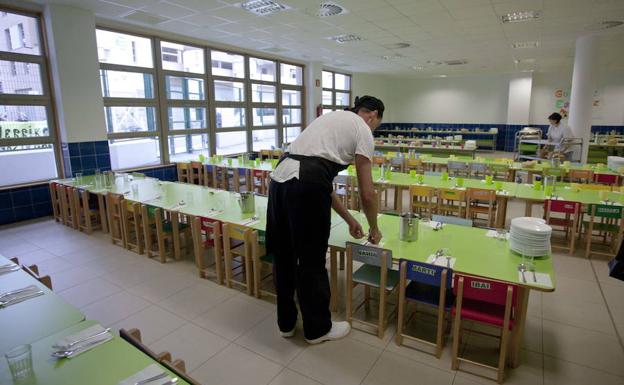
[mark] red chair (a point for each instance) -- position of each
(486, 302)
(568, 223)
(610, 179)
(260, 181)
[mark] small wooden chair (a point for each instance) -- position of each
(55, 198)
(568, 224)
(260, 259)
(500, 172)
(196, 173)
(114, 204)
(482, 202)
(68, 207)
(345, 186)
(429, 285)
(451, 202)
(422, 200)
(88, 216)
(610, 179)
(611, 226)
(220, 177)
(162, 236)
(486, 302)
(398, 163)
(183, 172)
(206, 236)
(557, 172)
(479, 170)
(375, 273)
(415, 164)
(456, 168)
(234, 232)
(580, 176)
(132, 226)
(259, 181)
(236, 179)
(33, 271)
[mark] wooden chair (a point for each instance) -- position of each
(206, 236)
(88, 216)
(485, 302)
(580, 176)
(479, 170)
(68, 207)
(132, 226)
(610, 226)
(55, 198)
(422, 200)
(260, 259)
(557, 172)
(451, 202)
(345, 186)
(595, 187)
(456, 168)
(398, 163)
(501, 172)
(610, 179)
(220, 177)
(196, 173)
(375, 273)
(183, 172)
(114, 204)
(568, 224)
(259, 181)
(482, 202)
(243, 251)
(33, 271)
(159, 233)
(236, 178)
(379, 160)
(414, 164)
(429, 285)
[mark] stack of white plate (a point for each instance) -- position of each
(530, 236)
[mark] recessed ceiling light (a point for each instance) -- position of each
(418, 68)
(327, 9)
(456, 62)
(604, 25)
(396, 45)
(525, 44)
(263, 7)
(348, 38)
(515, 17)
(439, 76)
(433, 63)
(392, 57)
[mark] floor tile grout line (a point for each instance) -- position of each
(617, 333)
(304, 375)
(381, 352)
(583, 365)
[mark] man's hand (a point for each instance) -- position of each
(355, 229)
(374, 236)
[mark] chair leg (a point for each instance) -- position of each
(456, 340)
(502, 356)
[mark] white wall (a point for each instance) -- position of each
(519, 100)
(468, 99)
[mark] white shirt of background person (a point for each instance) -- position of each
(557, 132)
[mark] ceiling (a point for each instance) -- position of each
(437, 30)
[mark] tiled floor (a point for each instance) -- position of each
(227, 337)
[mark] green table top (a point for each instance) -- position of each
(106, 364)
(565, 192)
(476, 254)
(35, 318)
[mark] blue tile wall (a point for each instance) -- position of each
(24, 203)
(506, 132)
(86, 157)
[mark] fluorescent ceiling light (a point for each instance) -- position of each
(396, 45)
(392, 57)
(418, 68)
(604, 25)
(439, 76)
(515, 17)
(348, 38)
(525, 44)
(263, 7)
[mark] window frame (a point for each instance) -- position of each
(333, 106)
(46, 99)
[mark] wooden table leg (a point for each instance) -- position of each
(501, 213)
(517, 333)
(103, 217)
(175, 221)
(333, 278)
(398, 201)
(528, 208)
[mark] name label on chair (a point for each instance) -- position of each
(480, 285)
(424, 270)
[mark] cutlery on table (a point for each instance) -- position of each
(532, 270)
(437, 255)
(8, 293)
(522, 269)
(70, 352)
(151, 379)
(171, 382)
(68, 346)
(448, 261)
(20, 299)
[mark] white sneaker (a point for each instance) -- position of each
(338, 330)
(288, 334)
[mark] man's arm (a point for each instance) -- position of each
(368, 197)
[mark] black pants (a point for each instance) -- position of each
(298, 225)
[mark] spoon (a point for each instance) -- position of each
(70, 352)
(532, 270)
(522, 269)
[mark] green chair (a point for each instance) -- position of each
(608, 221)
(558, 173)
(375, 272)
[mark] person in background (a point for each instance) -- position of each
(301, 197)
(557, 134)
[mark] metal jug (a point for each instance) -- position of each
(246, 201)
(409, 227)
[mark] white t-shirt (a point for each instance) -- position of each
(556, 134)
(337, 136)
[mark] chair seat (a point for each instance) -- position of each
(487, 313)
(428, 294)
(603, 227)
(267, 258)
(371, 275)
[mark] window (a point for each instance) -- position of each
(27, 132)
(291, 108)
(130, 106)
(336, 91)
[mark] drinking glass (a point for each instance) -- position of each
(421, 178)
(445, 176)
(489, 179)
(20, 361)
(498, 185)
(135, 189)
(537, 185)
(460, 182)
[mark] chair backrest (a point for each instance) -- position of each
(499, 168)
(181, 374)
(370, 255)
(553, 171)
(422, 191)
(479, 168)
(379, 160)
(564, 207)
(454, 165)
(484, 290)
(606, 211)
(606, 178)
(427, 273)
(452, 220)
(416, 163)
(452, 194)
(481, 194)
(234, 231)
(397, 161)
(581, 174)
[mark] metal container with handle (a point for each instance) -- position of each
(246, 201)
(409, 227)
